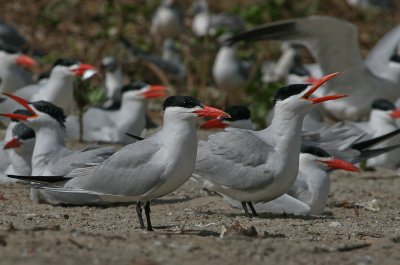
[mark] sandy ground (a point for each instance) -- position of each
(189, 223)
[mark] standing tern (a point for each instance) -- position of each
(114, 80)
(150, 168)
(261, 165)
(334, 45)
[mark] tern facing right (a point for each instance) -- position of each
(251, 166)
(150, 168)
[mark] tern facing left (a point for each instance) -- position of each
(261, 165)
(150, 168)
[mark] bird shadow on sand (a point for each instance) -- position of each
(189, 232)
(325, 216)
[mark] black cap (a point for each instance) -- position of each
(288, 91)
(383, 104)
(313, 150)
(239, 112)
(22, 131)
(52, 110)
(182, 101)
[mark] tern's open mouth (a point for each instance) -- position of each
(25, 104)
(317, 85)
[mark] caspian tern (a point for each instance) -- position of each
(204, 23)
(334, 45)
(150, 168)
(309, 193)
(50, 156)
(16, 150)
(167, 21)
(382, 120)
(57, 90)
(11, 75)
(261, 165)
(102, 125)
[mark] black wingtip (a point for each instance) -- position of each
(269, 31)
(366, 154)
(41, 179)
(135, 136)
(369, 143)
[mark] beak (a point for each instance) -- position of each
(340, 164)
(317, 85)
(395, 114)
(214, 124)
(25, 60)
(13, 143)
(211, 112)
(155, 92)
(82, 68)
(25, 104)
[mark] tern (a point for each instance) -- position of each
(167, 21)
(251, 166)
(334, 45)
(309, 193)
(11, 75)
(57, 90)
(110, 125)
(50, 156)
(382, 120)
(16, 150)
(204, 23)
(150, 168)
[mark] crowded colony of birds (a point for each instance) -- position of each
(331, 115)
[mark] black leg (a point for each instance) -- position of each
(147, 212)
(252, 209)
(139, 214)
(246, 211)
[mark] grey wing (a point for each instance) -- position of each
(379, 57)
(86, 157)
(130, 171)
(234, 158)
(332, 42)
(96, 119)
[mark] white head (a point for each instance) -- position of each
(142, 91)
(384, 111)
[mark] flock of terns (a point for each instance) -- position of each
(283, 168)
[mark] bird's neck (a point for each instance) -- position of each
(21, 159)
(181, 131)
(380, 123)
(114, 81)
(285, 130)
(59, 90)
(49, 141)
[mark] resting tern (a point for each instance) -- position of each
(261, 165)
(110, 125)
(334, 45)
(204, 23)
(16, 150)
(150, 168)
(382, 120)
(57, 90)
(309, 193)
(50, 156)
(11, 75)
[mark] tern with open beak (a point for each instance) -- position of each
(251, 166)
